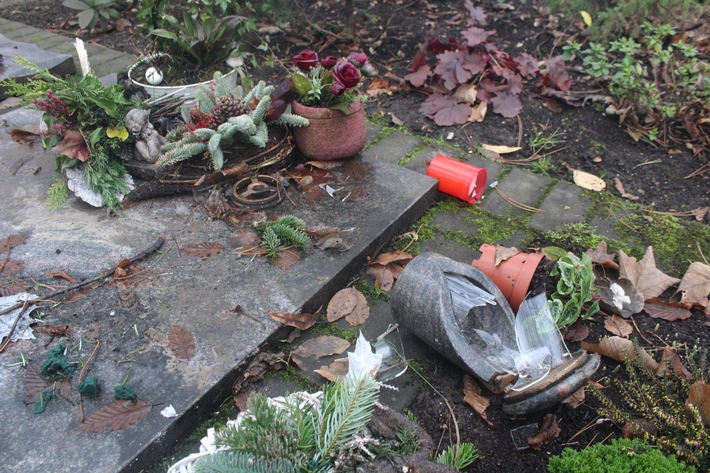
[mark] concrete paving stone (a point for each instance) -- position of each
(372, 131)
(62, 48)
(393, 148)
(564, 204)
(420, 161)
(40, 38)
(195, 293)
(522, 186)
(449, 248)
(25, 33)
(11, 28)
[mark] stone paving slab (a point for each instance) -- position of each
(197, 294)
(521, 186)
(564, 204)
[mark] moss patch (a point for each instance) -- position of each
(373, 294)
(574, 237)
(323, 327)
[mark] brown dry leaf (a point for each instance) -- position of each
(27, 135)
(243, 239)
(466, 93)
(669, 311)
(134, 275)
(382, 86)
(671, 359)
(503, 253)
(300, 321)
(124, 263)
(478, 112)
(116, 416)
(203, 250)
(700, 397)
(181, 342)
(588, 181)
(577, 332)
(618, 326)
(11, 241)
(341, 304)
(73, 145)
(337, 370)
(473, 396)
(695, 285)
(59, 275)
(549, 430)
(325, 165)
(644, 275)
(619, 349)
(355, 170)
(360, 313)
(34, 383)
(56, 330)
(576, 399)
(384, 259)
(319, 347)
(620, 187)
(122, 24)
(600, 256)
(287, 258)
(64, 390)
(501, 149)
(77, 295)
(10, 287)
(10, 266)
(384, 278)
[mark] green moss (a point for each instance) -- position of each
(493, 229)
(604, 204)
(292, 375)
(574, 237)
(373, 294)
(675, 242)
(323, 327)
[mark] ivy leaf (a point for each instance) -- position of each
(556, 75)
(116, 416)
(456, 67)
(73, 146)
(507, 104)
(475, 36)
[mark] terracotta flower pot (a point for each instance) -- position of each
(331, 134)
(512, 275)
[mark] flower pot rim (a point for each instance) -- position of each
(512, 275)
(354, 107)
(167, 88)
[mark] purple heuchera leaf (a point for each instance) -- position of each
(557, 76)
(445, 110)
(487, 89)
(507, 104)
(478, 15)
(419, 78)
(457, 67)
(475, 36)
(527, 65)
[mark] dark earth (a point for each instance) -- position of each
(391, 32)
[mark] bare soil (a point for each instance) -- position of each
(390, 32)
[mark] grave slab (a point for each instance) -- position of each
(219, 300)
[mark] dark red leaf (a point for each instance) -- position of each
(445, 110)
(116, 416)
(436, 45)
(419, 77)
(457, 67)
(556, 75)
(506, 104)
(181, 342)
(527, 65)
(73, 146)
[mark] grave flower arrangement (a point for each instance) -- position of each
(329, 82)
(83, 123)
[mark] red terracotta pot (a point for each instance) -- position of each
(331, 134)
(512, 276)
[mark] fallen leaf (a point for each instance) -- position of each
(588, 181)
(671, 359)
(576, 399)
(384, 259)
(473, 396)
(302, 321)
(287, 258)
(577, 332)
(384, 278)
(243, 239)
(360, 313)
(633, 305)
(501, 149)
(121, 24)
(618, 326)
(325, 345)
(116, 416)
(337, 370)
(60, 275)
(619, 349)
(124, 263)
(700, 397)
(10, 287)
(599, 255)
(203, 250)
(549, 430)
(669, 311)
(620, 187)
(133, 275)
(10, 266)
(77, 295)
(11, 241)
(34, 383)
(478, 112)
(695, 285)
(341, 304)
(181, 342)
(73, 146)
(56, 330)
(26, 135)
(586, 17)
(503, 253)
(644, 275)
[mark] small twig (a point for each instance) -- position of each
(520, 131)
(81, 375)
(517, 204)
(153, 248)
(655, 161)
(701, 170)
(14, 325)
(639, 330)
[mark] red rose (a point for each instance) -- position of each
(357, 59)
(337, 88)
(329, 62)
(306, 60)
(346, 74)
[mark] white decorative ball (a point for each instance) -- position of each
(153, 76)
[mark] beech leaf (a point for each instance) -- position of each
(302, 321)
(618, 326)
(203, 250)
(384, 279)
(243, 240)
(181, 342)
(287, 258)
(669, 311)
(644, 275)
(337, 370)
(325, 345)
(576, 399)
(671, 360)
(117, 415)
(360, 313)
(501, 149)
(695, 285)
(700, 397)
(394, 256)
(341, 304)
(11, 241)
(619, 349)
(549, 430)
(473, 396)
(60, 275)
(34, 383)
(10, 287)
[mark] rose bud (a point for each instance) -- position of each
(329, 62)
(306, 60)
(346, 74)
(368, 70)
(337, 88)
(357, 59)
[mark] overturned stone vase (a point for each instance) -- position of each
(462, 314)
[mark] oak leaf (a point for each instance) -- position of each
(473, 396)
(181, 342)
(644, 275)
(116, 416)
(695, 285)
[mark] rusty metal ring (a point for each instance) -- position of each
(258, 192)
